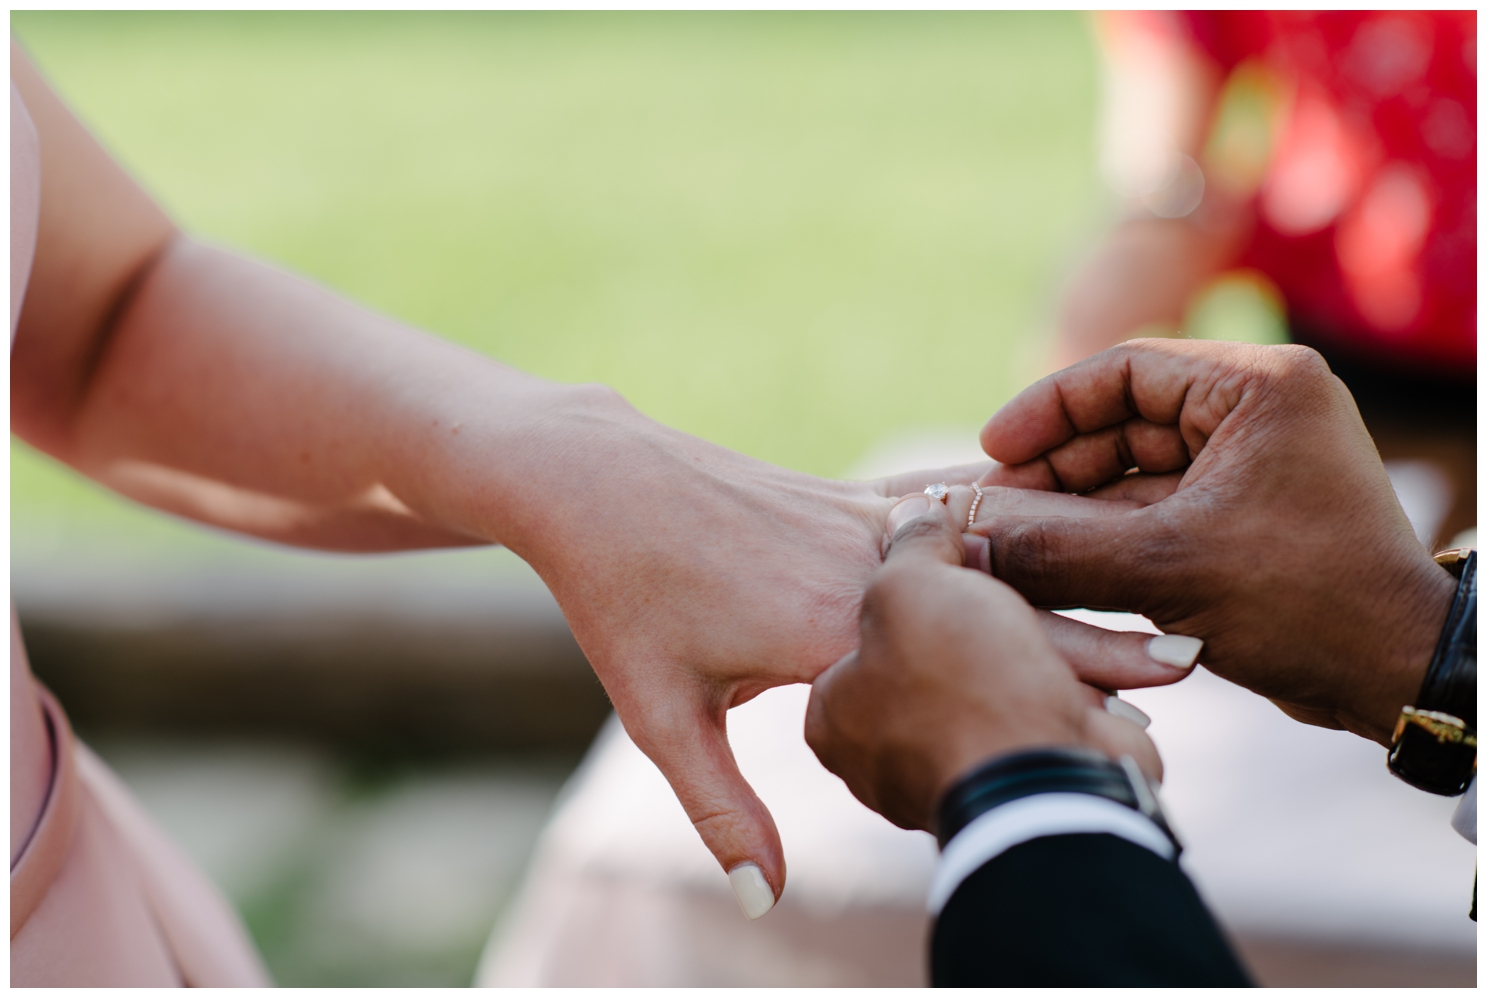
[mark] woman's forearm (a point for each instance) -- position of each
(245, 397)
(228, 391)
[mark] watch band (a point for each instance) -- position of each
(1435, 739)
(1043, 771)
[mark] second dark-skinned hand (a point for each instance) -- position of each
(1266, 527)
(954, 669)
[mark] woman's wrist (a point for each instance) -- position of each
(507, 457)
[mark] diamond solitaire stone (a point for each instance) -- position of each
(939, 492)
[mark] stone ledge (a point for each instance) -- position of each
(390, 653)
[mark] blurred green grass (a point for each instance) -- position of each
(787, 233)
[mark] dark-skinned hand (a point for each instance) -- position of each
(954, 669)
(1255, 515)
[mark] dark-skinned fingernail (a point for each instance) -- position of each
(911, 508)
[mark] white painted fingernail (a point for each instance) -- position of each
(1176, 650)
(753, 892)
(1129, 711)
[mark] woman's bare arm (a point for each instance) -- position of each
(207, 384)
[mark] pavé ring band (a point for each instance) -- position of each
(975, 503)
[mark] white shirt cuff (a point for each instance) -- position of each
(1038, 816)
(1465, 818)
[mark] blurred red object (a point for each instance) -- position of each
(1366, 204)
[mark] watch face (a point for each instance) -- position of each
(1453, 560)
(1426, 760)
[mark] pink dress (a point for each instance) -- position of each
(99, 897)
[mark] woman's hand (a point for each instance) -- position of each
(953, 670)
(1264, 521)
(695, 578)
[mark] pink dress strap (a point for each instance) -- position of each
(99, 897)
(40, 861)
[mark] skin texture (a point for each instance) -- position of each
(1265, 526)
(953, 669)
(230, 392)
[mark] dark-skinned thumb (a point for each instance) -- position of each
(922, 528)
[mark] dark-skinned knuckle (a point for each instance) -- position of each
(1021, 548)
(1292, 364)
(1303, 358)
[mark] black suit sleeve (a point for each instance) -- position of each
(1080, 910)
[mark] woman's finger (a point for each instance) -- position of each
(1117, 736)
(1120, 660)
(915, 481)
(692, 752)
(921, 529)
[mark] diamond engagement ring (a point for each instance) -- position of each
(976, 502)
(939, 492)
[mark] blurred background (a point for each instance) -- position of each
(834, 242)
